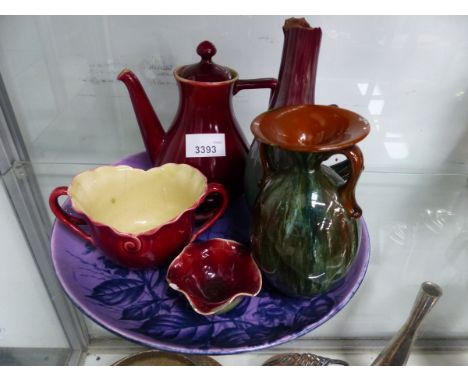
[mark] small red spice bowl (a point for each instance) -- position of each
(214, 275)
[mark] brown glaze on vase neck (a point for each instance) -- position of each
(298, 70)
(310, 128)
(323, 130)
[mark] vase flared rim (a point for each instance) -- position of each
(310, 128)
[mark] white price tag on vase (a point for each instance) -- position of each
(205, 145)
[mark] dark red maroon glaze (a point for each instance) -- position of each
(205, 107)
(207, 110)
(149, 249)
(151, 129)
(206, 70)
(298, 70)
(212, 272)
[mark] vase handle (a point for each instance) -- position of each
(267, 169)
(346, 191)
(70, 221)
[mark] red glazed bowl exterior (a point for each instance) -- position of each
(214, 275)
(151, 248)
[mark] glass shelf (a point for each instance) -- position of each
(60, 76)
(418, 230)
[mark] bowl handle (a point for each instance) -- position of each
(70, 221)
(213, 188)
(346, 191)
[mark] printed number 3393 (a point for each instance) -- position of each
(205, 149)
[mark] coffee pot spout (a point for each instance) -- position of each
(151, 129)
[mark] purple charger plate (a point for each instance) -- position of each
(141, 307)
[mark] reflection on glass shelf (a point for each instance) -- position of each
(89, 132)
(418, 228)
(60, 73)
(34, 356)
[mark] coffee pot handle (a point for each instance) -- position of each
(257, 83)
(347, 190)
(213, 188)
(70, 221)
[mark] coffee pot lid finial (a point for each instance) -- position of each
(206, 50)
(205, 70)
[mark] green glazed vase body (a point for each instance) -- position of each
(306, 229)
(304, 239)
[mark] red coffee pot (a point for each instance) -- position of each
(204, 132)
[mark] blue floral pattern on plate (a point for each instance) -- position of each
(140, 306)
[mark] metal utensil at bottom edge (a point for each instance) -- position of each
(396, 353)
(302, 359)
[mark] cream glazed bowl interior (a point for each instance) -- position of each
(139, 218)
(136, 201)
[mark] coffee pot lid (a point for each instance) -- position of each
(206, 70)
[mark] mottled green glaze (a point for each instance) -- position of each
(304, 240)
